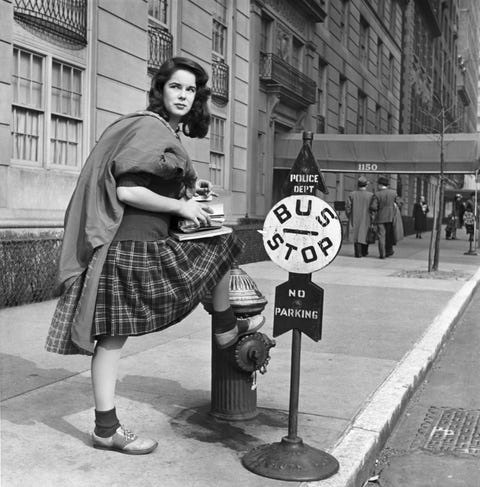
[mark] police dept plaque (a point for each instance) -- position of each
(302, 234)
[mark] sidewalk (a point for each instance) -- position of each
(381, 331)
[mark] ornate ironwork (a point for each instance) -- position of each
(160, 46)
(64, 18)
(220, 76)
(295, 85)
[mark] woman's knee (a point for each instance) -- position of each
(111, 342)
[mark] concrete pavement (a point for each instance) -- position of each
(382, 329)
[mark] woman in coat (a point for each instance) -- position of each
(420, 210)
(122, 273)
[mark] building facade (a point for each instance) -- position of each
(276, 66)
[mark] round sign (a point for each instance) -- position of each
(302, 234)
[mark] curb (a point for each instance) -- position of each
(357, 449)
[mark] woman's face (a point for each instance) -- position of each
(179, 94)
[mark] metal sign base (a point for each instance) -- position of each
(290, 459)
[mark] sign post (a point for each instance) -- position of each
(301, 234)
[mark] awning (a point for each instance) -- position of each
(407, 154)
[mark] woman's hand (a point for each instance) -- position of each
(203, 188)
(195, 211)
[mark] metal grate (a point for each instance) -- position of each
(220, 75)
(160, 46)
(273, 69)
(64, 18)
(450, 430)
(28, 268)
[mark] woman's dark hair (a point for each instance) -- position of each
(196, 122)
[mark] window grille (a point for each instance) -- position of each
(160, 46)
(217, 151)
(64, 18)
(220, 78)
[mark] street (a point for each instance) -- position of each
(436, 442)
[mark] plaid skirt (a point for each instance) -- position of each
(146, 287)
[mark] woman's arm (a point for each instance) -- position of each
(145, 199)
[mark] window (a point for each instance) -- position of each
(297, 54)
(393, 18)
(391, 72)
(379, 60)
(217, 151)
(219, 28)
(321, 96)
(378, 119)
(342, 104)
(28, 105)
(389, 123)
(363, 41)
(361, 112)
(35, 99)
(344, 14)
(265, 34)
(158, 9)
(261, 164)
(66, 124)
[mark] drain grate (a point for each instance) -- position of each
(450, 430)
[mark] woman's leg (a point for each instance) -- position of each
(104, 371)
(109, 434)
(227, 327)
(221, 294)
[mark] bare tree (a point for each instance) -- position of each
(442, 124)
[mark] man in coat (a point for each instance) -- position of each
(383, 203)
(358, 210)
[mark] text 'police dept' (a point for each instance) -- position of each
(304, 178)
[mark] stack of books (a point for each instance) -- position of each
(188, 230)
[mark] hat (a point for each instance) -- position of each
(382, 180)
(362, 181)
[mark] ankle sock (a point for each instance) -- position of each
(106, 423)
(223, 320)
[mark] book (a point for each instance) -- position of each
(188, 230)
(200, 232)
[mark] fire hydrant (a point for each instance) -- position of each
(234, 370)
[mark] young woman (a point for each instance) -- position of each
(121, 273)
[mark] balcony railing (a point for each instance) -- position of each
(160, 45)
(64, 18)
(294, 85)
(220, 75)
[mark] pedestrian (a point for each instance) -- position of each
(469, 220)
(358, 210)
(122, 274)
(458, 208)
(420, 210)
(450, 227)
(384, 205)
